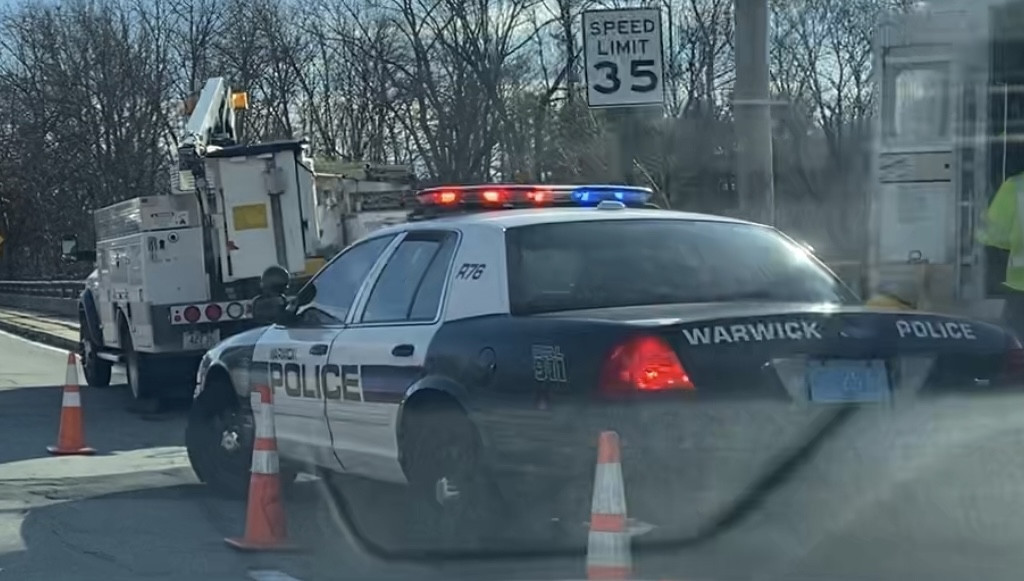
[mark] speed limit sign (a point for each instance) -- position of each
(622, 53)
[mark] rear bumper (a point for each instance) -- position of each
(682, 461)
(689, 465)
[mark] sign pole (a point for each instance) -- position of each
(625, 70)
(752, 113)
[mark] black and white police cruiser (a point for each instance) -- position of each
(475, 352)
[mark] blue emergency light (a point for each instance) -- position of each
(498, 196)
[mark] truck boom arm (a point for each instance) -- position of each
(211, 123)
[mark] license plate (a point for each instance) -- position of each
(841, 381)
(193, 340)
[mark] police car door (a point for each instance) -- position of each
(296, 356)
(381, 353)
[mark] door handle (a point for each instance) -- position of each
(405, 350)
(318, 349)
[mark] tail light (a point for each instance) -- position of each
(192, 314)
(213, 312)
(644, 363)
(1013, 363)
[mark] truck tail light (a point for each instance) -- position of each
(213, 312)
(192, 314)
(645, 363)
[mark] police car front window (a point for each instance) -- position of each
(620, 263)
(338, 283)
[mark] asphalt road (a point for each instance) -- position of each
(934, 491)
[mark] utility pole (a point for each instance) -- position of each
(752, 112)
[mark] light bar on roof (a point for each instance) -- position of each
(518, 196)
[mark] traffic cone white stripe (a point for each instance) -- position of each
(71, 399)
(264, 420)
(609, 497)
(265, 462)
(608, 550)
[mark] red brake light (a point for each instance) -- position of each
(644, 363)
(192, 314)
(213, 312)
(1013, 363)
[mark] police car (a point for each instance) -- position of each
(476, 351)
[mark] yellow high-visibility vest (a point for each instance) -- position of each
(885, 301)
(1001, 228)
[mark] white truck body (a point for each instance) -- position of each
(937, 150)
(140, 242)
(177, 273)
(350, 206)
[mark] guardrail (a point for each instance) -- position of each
(56, 289)
(46, 296)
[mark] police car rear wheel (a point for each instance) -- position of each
(458, 501)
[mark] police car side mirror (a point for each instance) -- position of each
(269, 309)
(305, 296)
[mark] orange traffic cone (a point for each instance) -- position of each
(265, 528)
(71, 436)
(608, 550)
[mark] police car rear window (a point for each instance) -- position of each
(610, 263)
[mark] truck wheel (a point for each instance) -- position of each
(139, 371)
(97, 371)
(456, 500)
(219, 439)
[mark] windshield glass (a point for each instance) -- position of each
(614, 263)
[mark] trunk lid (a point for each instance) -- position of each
(818, 352)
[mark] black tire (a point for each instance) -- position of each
(141, 379)
(219, 439)
(456, 501)
(97, 371)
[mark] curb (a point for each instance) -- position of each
(40, 336)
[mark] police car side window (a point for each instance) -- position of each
(408, 288)
(338, 283)
(428, 297)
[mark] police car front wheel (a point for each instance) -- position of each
(219, 439)
(457, 499)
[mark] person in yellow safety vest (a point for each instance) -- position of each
(888, 300)
(1001, 228)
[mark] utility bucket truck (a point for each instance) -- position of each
(177, 273)
(949, 131)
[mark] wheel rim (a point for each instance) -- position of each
(458, 492)
(233, 435)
